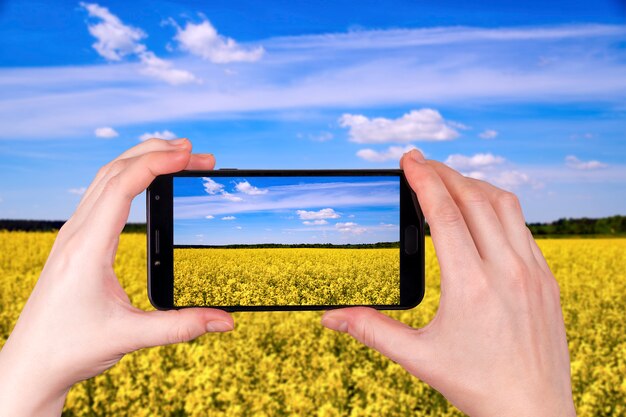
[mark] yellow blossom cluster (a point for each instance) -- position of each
(287, 364)
(286, 276)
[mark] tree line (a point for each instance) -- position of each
(605, 226)
(53, 225)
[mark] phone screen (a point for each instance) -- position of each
(286, 240)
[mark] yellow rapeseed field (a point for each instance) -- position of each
(283, 364)
(286, 276)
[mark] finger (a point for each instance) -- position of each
(156, 328)
(110, 211)
(452, 240)
(509, 211)
(150, 145)
(480, 216)
(196, 162)
(201, 162)
(538, 255)
(154, 145)
(394, 339)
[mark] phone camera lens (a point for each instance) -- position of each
(157, 197)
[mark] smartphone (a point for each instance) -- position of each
(261, 240)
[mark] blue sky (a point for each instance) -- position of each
(530, 96)
(287, 210)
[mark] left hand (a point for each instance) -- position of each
(78, 321)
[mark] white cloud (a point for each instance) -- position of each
(493, 169)
(246, 188)
(291, 198)
(315, 222)
(164, 70)
(480, 160)
(423, 125)
(228, 218)
(512, 179)
(392, 153)
(326, 213)
(347, 224)
(203, 40)
(231, 197)
(404, 38)
(209, 217)
(488, 134)
(457, 125)
(77, 191)
(319, 137)
(238, 227)
(573, 162)
(106, 132)
(115, 40)
(346, 78)
(506, 179)
(211, 187)
(166, 134)
(350, 227)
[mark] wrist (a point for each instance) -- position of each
(15, 401)
(27, 391)
(545, 408)
(557, 403)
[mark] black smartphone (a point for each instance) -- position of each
(261, 240)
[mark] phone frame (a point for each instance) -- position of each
(160, 237)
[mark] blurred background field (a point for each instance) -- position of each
(278, 364)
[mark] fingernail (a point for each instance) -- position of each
(417, 156)
(178, 142)
(205, 155)
(334, 324)
(219, 326)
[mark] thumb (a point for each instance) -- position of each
(156, 328)
(396, 340)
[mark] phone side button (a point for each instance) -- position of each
(410, 240)
(157, 242)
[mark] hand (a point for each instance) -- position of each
(497, 345)
(78, 321)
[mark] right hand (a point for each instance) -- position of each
(497, 345)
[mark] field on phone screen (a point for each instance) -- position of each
(286, 276)
(286, 240)
(286, 363)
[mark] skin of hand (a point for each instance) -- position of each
(497, 344)
(78, 321)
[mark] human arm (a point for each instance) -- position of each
(78, 321)
(497, 345)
